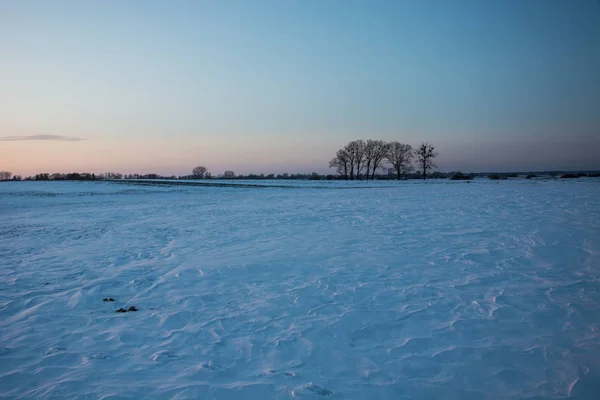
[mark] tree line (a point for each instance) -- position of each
(6, 176)
(390, 175)
(79, 176)
(357, 160)
(362, 159)
(201, 172)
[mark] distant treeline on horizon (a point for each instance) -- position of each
(358, 160)
(390, 175)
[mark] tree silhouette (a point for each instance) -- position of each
(399, 155)
(379, 150)
(341, 162)
(356, 151)
(425, 155)
(199, 172)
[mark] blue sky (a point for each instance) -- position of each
(278, 86)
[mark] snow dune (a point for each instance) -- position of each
(453, 290)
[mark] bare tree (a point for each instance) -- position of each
(341, 162)
(358, 156)
(5, 175)
(379, 152)
(199, 172)
(425, 155)
(228, 174)
(375, 152)
(113, 175)
(400, 156)
(356, 153)
(369, 152)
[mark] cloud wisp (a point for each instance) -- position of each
(41, 137)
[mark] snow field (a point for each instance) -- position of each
(454, 290)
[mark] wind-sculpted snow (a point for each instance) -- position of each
(478, 290)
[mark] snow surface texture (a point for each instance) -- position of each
(436, 290)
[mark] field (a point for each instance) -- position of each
(409, 290)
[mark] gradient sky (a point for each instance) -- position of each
(279, 86)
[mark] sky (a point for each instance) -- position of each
(279, 86)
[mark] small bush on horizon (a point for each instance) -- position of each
(459, 176)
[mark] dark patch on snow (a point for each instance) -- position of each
(319, 390)
(130, 309)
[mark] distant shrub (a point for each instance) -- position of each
(570, 176)
(594, 175)
(496, 177)
(459, 176)
(530, 176)
(438, 175)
